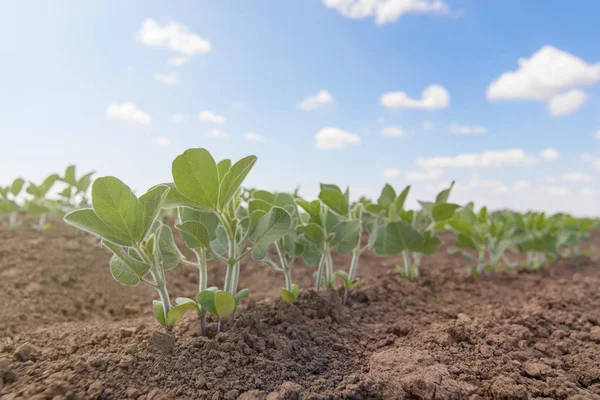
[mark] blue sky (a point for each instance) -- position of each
(66, 64)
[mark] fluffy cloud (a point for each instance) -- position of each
(550, 154)
(128, 113)
(595, 161)
(434, 97)
(556, 190)
(392, 131)
(427, 175)
(548, 75)
(576, 177)
(386, 11)
(208, 116)
(320, 99)
(178, 61)
(486, 159)
(597, 134)
(427, 125)
(567, 103)
(254, 137)
(391, 173)
(168, 79)
(467, 130)
(162, 141)
(521, 185)
(219, 133)
(335, 138)
(173, 36)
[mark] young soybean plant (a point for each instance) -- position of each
(39, 206)
(74, 195)
(143, 248)
(358, 220)
(287, 248)
(8, 201)
(572, 232)
(410, 233)
(540, 239)
(323, 232)
(199, 183)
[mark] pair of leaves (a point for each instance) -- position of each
(219, 302)
(117, 215)
(206, 185)
(40, 191)
(268, 228)
(290, 295)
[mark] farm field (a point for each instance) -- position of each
(69, 330)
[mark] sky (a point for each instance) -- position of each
(501, 96)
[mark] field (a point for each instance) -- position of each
(70, 331)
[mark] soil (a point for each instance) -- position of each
(69, 331)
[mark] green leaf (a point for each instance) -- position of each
(335, 200)
(47, 184)
(206, 299)
(206, 218)
(150, 205)
(84, 183)
(431, 244)
(122, 273)
(396, 237)
(290, 296)
(314, 233)
(233, 179)
(443, 211)
(168, 252)
(35, 209)
(159, 312)
(269, 228)
(135, 264)
(69, 177)
(195, 234)
(220, 244)
(241, 295)
(347, 236)
(330, 187)
(8, 206)
(465, 242)
(17, 186)
(443, 196)
(177, 312)
(87, 220)
(224, 304)
(401, 199)
(116, 205)
(196, 177)
(462, 226)
(387, 197)
(258, 204)
(223, 166)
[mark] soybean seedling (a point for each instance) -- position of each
(74, 195)
(540, 239)
(8, 201)
(143, 248)
(39, 206)
(201, 184)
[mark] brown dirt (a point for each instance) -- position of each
(69, 331)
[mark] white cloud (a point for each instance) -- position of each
(219, 133)
(208, 116)
(597, 134)
(128, 113)
(586, 191)
(546, 73)
(162, 141)
(316, 101)
(178, 61)
(173, 36)
(427, 175)
(392, 131)
(434, 97)
(521, 185)
(576, 177)
(486, 159)
(254, 137)
(467, 130)
(179, 117)
(556, 190)
(427, 125)
(550, 154)
(168, 79)
(391, 173)
(567, 103)
(595, 161)
(335, 138)
(386, 11)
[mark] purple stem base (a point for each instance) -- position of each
(346, 296)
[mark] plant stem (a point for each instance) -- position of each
(203, 323)
(12, 219)
(284, 266)
(329, 270)
(158, 275)
(406, 264)
(220, 327)
(320, 272)
(480, 263)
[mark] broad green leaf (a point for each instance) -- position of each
(159, 312)
(269, 228)
(9, 206)
(427, 206)
(265, 196)
(195, 234)
(347, 236)
(136, 265)
(443, 196)
(258, 204)
(69, 177)
(84, 183)
(196, 177)
(221, 243)
(241, 295)
(223, 166)
(116, 205)
(387, 197)
(36, 209)
(122, 273)
(335, 200)
(47, 184)
(150, 205)
(465, 242)
(87, 220)
(233, 179)
(314, 233)
(431, 244)
(17, 186)
(401, 199)
(206, 218)
(206, 299)
(330, 187)
(396, 237)
(462, 226)
(311, 254)
(443, 211)
(177, 312)
(224, 304)
(290, 296)
(168, 252)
